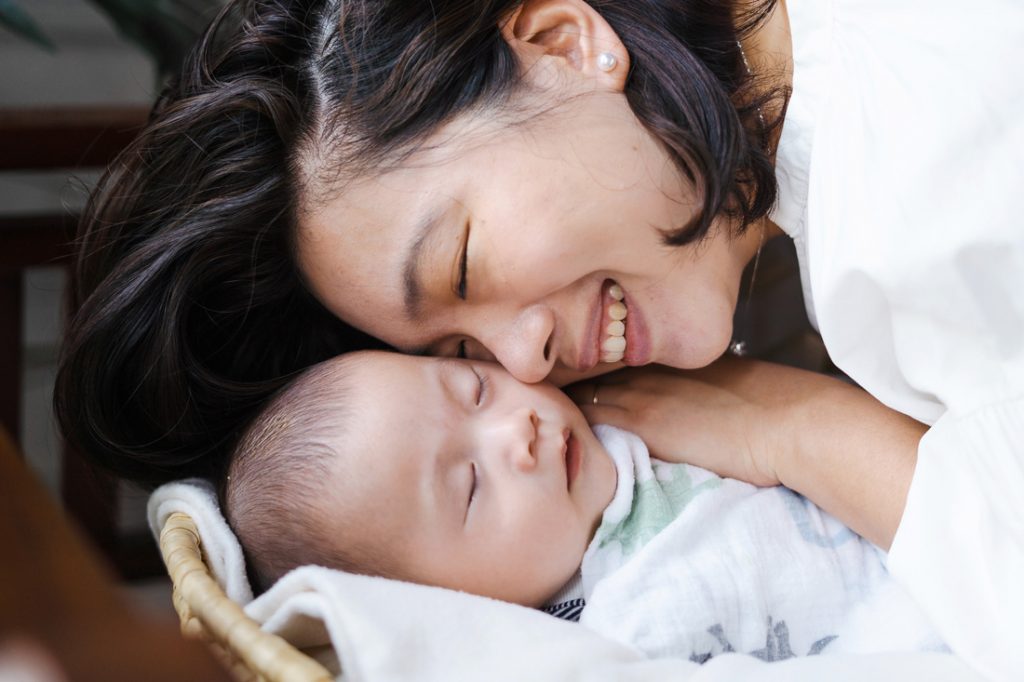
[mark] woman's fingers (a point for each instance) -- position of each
(612, 389)
(582, 393)
(612, 415)
(603, 403)
(595, 393)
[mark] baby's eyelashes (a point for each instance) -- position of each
(472, 487)
(482, 391)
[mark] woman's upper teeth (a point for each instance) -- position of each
(613, 347)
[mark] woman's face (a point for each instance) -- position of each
(504, 242)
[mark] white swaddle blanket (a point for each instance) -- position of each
(388, 631)
(691, 565)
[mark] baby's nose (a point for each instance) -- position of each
(523, 441)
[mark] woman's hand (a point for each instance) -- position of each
(768, 424)
(718, 418)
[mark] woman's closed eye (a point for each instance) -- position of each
(462, 282)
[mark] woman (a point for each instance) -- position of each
(487, 178)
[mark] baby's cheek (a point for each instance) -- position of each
(566, 542)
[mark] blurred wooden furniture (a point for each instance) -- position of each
(57, 140)
(58, 601)
(45, 140)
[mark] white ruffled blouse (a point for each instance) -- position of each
(901, 169)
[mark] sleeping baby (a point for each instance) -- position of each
(452, 473)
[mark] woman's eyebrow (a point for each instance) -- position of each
(412, 279)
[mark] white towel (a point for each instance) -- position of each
(388, 631)
(197, 498)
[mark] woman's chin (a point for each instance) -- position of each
(695, 353)
(563, 376)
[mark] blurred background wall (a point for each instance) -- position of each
(92, 66)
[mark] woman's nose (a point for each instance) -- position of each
(524, 346)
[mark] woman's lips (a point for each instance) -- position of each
(589, 350)
(636, 335)
(573, 456)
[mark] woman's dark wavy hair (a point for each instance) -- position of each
(189, 311)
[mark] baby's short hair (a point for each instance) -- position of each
(276, 489)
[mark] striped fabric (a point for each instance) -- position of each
(566, 610)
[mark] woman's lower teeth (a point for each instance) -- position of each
(613, 348)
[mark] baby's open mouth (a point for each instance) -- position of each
(613, 341)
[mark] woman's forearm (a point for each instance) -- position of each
(853, 457)
(768, 424)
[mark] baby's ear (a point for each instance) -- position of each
(569, 38)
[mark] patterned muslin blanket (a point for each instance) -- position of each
(380, 629)
(691, 565)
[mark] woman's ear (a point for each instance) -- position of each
(566, 37)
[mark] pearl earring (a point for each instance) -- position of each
(606, 61)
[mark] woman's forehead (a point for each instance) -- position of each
(429, 163)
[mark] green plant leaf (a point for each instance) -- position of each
(21, 23)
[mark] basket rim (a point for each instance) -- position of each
(207, 612)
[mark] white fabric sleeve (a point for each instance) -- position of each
(959, 548)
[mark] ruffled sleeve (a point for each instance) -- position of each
(905, 209)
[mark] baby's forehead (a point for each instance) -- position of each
(380, 434)
(342, 377)
(390, 407)
(357, 364)
(373, 393)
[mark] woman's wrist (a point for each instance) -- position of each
(850, 455)
(790, 429)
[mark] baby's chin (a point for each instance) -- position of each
(604, 482)
(556, 585)
(609, 479)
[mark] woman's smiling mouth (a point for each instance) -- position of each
(605, 336)
(613, 344)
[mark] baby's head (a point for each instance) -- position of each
(438, 471)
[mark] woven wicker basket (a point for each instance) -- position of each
(207, 614)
